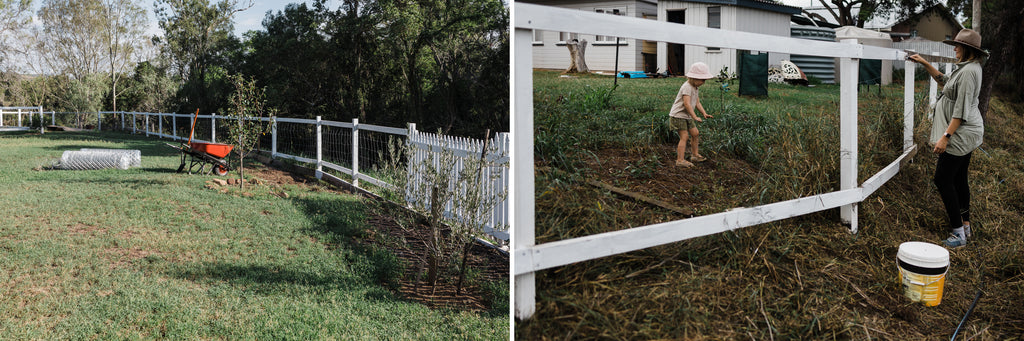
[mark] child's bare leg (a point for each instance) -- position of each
(694, 142)
(681, 147)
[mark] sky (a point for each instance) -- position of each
(248, 20)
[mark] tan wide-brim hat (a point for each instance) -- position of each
(969, 38)
(699, 71)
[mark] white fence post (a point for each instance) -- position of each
(145, 122)
(848, 132)
(908, 104)
(522, 175)
(213, 127)
(319, 150)
(273, 138)
(19, 118)
(135, 128)
(42, 130)
(174, 126)
(932, 89)
(355, 152)
(411, 173)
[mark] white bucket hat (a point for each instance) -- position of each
(699, 70)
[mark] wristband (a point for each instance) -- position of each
(947, 135)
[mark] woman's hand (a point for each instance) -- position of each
(940, 145)
(708, 116)
(917, 59)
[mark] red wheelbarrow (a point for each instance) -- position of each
(201, 154)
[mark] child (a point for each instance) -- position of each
(684, 113)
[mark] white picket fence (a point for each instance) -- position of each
(529, 258)
(332, 145)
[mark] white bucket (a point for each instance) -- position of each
(922, 267)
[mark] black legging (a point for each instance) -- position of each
(951, 179)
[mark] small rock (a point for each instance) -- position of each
(231, 181)
(220, 182)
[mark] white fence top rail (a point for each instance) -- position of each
(568, 20)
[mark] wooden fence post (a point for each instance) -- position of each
(522, 175)
(213, 127)
(355, 152)
(908, 103)
(849, 69)
(319, 150)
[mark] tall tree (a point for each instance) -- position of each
(15, 16)
(124, 32)
(859, 12)
(72, 40)
(195, 30)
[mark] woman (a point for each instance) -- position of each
(957, 129)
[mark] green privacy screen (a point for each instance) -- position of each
(753, 74)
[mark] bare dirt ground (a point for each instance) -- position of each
(653, 172)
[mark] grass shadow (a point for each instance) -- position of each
(339, 219)
(263, 278)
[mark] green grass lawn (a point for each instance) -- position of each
(147, 253)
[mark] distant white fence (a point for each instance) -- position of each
(332, 145)
(529, 258)
(19, 118)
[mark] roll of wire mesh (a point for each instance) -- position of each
(134, 155)
(82, 160)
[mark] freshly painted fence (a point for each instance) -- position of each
(339, 146)
(529, 258)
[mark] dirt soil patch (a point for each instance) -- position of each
(491, 265)
(652, 172)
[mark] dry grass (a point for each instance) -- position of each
(802, 278)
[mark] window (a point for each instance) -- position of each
(565, 37)
(538, 37)
(612, 11)
(714, 21)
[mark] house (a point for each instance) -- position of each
(550, 52)
(934, 23)
(759, 16)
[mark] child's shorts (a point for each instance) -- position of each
(677, 124)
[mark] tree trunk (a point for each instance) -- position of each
(462, 269)
(577, 60)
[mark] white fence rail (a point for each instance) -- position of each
(529, 258)
(331, 145)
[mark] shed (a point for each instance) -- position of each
(871, 38)
(758, 16)
(822, 68)
(550, 51)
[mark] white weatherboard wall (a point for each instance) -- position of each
(528, 258)
(733, 18)
(550, 52)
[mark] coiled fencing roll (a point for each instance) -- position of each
(134, 155)
(82, 160)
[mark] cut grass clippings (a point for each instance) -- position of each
(147, 253)
(800, 278)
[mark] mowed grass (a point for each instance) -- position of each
(147, 253)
